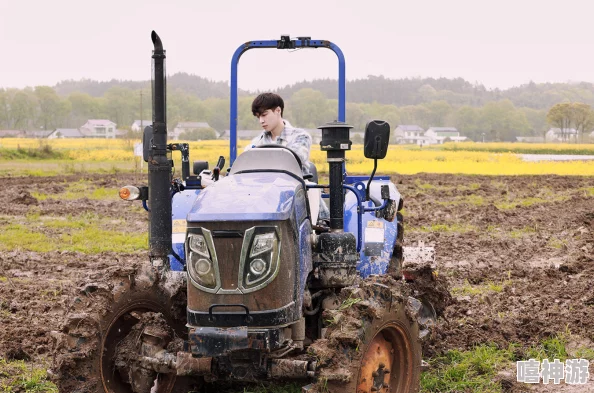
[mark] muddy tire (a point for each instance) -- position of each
(101, 316)
(372, 344)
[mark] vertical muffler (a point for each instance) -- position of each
(159, 166)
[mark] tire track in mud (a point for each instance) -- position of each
(531, 235)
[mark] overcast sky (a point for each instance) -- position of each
(500, 43)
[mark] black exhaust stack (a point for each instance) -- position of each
(336, 251)
(159, 166)
(335, 141)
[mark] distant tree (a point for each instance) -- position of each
(583, 118)
(22, 108)
(308, 108)
(357, 139)
(466, 119)
(48, 103)
(198, 134)
(4, 109)
(438, 112)
(537, 118)
(119, 105)
(503, 120)
(560, 116)
(218, 113)
(84, 107)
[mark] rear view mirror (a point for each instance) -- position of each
(147, 141)
(377, 137)
(200, 166)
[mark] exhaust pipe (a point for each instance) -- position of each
(159, 166)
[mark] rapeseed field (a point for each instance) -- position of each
(451, 158)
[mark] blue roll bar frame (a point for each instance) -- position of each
(282, 44)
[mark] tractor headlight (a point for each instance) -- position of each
(260, 258)
(202, 265)
(197, 244)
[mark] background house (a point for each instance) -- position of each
(438, 135)
(530, 139)
(99, 128)
(37, 134)
(59, 133)
(241, 134)
(11, 134)
(409, 133)
(561, 135)
(136, 125)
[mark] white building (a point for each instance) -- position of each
(438, 135)
(99, 128)
(409, 134)
(562, 135)
(60, 133)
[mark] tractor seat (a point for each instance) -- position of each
(255, 160)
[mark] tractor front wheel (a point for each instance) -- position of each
(98, 348)
(372, 343)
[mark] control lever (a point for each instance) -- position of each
(217, 169)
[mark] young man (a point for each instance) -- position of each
(268, 108)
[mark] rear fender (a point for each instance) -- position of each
(379, 235)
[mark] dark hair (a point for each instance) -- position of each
(267, 101)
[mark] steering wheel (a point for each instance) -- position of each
(275, 146)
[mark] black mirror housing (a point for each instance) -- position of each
(147, 140)
(377, 138)
(199, 166)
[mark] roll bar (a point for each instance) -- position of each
(284, 43)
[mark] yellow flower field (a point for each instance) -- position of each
(449, 158)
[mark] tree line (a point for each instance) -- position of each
(496, 118)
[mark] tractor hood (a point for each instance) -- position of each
(246, 196)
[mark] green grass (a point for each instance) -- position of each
(556, 243)
(550, 348)
(79, 190)
(349, 302)
(560, 346)
(18, 376)
(472, 200)
(472, 290)
(467, 371)
(81, 233)
(446, 228)
(543, 196)
(42, 152)
(424, 186)
(20, 237)
(518, 233)
(54, 167)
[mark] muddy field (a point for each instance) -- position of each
(518, 253)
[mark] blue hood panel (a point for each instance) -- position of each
(262, 196)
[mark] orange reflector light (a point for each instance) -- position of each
(124, 193)
(129, 193)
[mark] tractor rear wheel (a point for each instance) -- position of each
(95, 350)
(372, 345)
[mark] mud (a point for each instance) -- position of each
(517, 252)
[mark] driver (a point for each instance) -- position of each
(268, 108)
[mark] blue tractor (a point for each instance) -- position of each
(245, 283)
